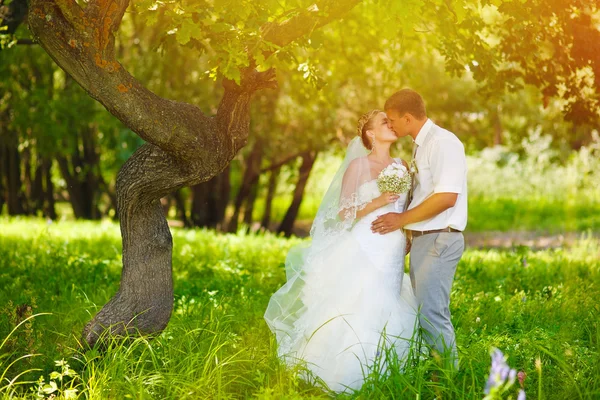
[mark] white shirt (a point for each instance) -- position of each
(441, 168)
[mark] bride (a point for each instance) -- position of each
(347, 300)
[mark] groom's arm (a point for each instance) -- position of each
(448, 172)
(434, 205)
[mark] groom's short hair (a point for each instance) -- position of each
(407, 101)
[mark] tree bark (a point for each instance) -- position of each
(184, 147)
(287, 224)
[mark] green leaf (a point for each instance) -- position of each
(151, 18)
(188, 30)
(49, 388)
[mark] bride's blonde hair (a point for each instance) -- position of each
(365, 122)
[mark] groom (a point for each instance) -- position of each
(435, 218)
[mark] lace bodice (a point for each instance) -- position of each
(369, 190)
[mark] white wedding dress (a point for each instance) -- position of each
(345, 304)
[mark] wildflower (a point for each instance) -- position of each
(501, 376)
(498, 372)
(521, 395)
(521, 375)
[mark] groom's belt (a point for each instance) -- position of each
(421, 233)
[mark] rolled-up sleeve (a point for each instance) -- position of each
(448, 166)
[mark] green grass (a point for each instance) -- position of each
(528, 304)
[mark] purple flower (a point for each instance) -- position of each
(499, 372)
(512, 375)
(521, 395)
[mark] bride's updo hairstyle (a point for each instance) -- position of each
(365, 122)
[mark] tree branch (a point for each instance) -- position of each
(25, 42)
(82, 43)
(281, 163)
(314, 17)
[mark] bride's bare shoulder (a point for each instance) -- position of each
(357, 162)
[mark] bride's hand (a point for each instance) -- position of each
(387, 198)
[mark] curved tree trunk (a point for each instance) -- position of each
(184, 147)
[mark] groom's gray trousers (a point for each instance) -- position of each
(433, 261)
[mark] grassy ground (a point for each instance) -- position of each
(531, 305)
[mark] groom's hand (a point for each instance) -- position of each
(387, 223)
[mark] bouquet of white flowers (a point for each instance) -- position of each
(395, 179)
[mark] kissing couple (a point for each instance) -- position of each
(347, 301)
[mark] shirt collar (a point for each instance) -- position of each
(420, 139)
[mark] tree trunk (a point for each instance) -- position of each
(209, 201)
(80, 171)
(104, 187)
(251, 175)
(271, 189)
(497, 126)
(27, 181)
(49, 209)
(15, 198)
(37, 188)
(287, 225)
(184, 147)
(249, 205)
(181, 211)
